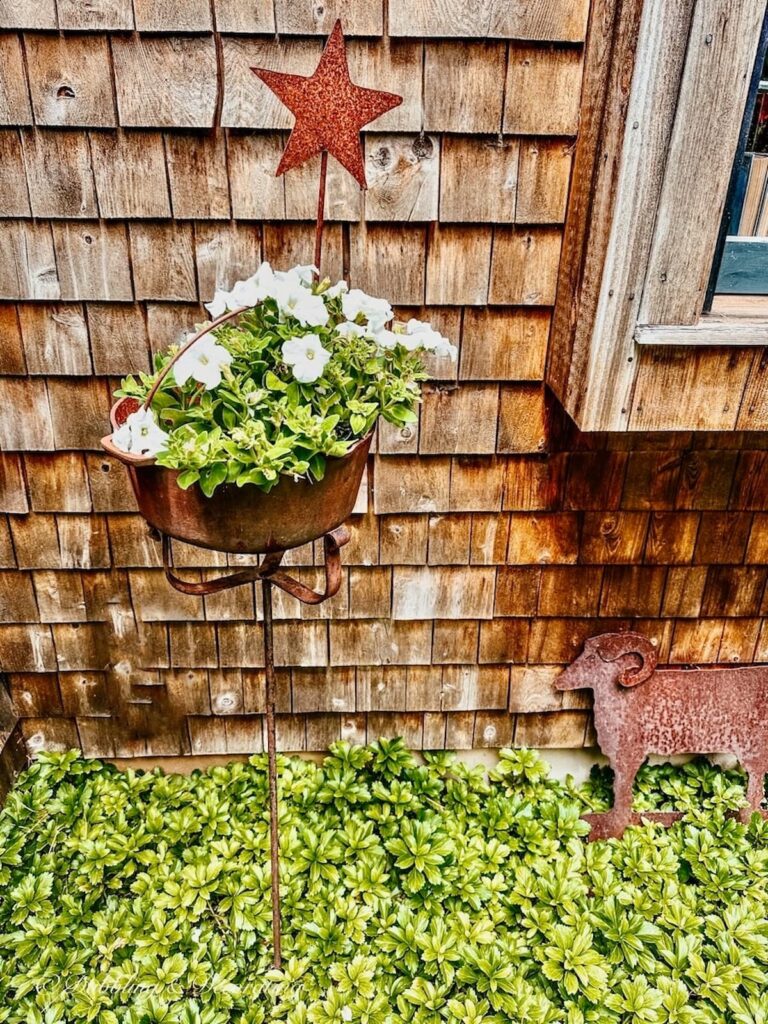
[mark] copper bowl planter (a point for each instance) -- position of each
(243, 520)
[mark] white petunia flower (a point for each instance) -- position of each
(306, 356)
(293, 299)
(429, 339)
(219, 304)
(245, 293)
(377, 312)
(351, 330)
(388, 339)
(337, 289)
(305, 273)
(202, 362)
(140, 434)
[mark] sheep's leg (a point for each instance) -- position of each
(622, 791)
(613, 823)
(756, 771)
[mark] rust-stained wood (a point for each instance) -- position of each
(533, 484)
(613, 537)
(543, 538)
(543, 19)
(69, 80)
(165, 82)
(403, 174)
(489, 540)
(494, 162)
(92, 260)
(129, 170)
(671, 538)
(455, 642)
(533, 72)
(461, 87)
(570, 590)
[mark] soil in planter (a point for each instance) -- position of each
(411, 892)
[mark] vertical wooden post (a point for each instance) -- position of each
(274, 835)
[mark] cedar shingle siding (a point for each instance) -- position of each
(495, 538)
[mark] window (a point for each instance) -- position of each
(740, 272)
(662, 108)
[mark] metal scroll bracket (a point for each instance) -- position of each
(270, 574)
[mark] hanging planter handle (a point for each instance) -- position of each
(269, 569)
(229, 315)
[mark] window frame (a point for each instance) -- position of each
(665, 89)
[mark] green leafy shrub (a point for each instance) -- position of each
(413, 893)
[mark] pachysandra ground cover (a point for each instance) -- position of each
(425, 892)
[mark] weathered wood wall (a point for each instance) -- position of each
(495, 539)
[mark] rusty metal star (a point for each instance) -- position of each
(329, 109)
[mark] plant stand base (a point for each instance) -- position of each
(271, 575)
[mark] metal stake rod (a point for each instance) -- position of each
(274, 835)
(320, 221)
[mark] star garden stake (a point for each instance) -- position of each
(330, 110)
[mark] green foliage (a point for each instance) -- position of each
(260, 421)
(413, 893)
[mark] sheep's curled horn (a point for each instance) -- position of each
(613, 646)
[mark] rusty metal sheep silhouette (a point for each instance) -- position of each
(640, 709)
